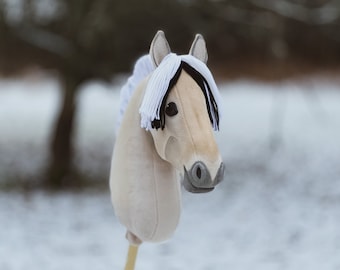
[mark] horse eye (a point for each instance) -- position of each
(171, 109)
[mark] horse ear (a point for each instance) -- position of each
(159, 48)
(199, 49)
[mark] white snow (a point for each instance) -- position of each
(278, 208)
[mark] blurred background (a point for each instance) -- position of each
(277, 64)
(75, 42)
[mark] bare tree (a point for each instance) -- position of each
(81, 40)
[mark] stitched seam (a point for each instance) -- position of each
(156, 198)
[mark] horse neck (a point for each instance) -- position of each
(145, 190)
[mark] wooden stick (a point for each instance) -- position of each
(131, 258)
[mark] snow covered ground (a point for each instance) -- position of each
(278, 208)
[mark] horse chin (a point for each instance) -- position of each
(191, 188)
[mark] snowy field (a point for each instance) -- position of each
(278, 208)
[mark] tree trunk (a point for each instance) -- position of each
(60, 171)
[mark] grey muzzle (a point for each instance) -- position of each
(198, 178)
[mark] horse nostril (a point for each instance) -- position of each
(200, 175)
(199, 172)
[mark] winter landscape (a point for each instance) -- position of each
(278, 207)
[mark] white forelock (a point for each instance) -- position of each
(159, 82)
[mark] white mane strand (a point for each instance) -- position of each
(142, 69)
(159, 82)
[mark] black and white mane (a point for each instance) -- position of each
(162, 80)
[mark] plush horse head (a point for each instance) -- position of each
(169, 109)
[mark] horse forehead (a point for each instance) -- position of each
(195, 118)
(192, 103)
(189, 94)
